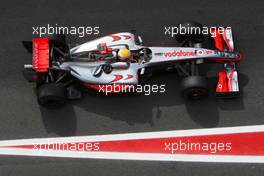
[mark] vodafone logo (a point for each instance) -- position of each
(178, 53)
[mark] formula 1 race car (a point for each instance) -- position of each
(57, 70)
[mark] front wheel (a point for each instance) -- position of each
(51, 95)
(194, 87)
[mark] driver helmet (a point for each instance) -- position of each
(124, 54)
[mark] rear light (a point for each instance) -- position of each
(40, 55)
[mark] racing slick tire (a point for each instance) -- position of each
(192, 35)
(194, 87)
(51, 95)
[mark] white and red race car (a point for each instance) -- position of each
(57, 70)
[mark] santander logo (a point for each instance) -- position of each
(179, 53)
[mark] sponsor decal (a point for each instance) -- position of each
(199, 52)
(179, 53)
(209, 51)
(127, 37)
(129, 76)
(117, 37)
(117, 78)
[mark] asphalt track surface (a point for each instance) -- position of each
(21, 117)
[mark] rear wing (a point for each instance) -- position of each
(40, 58)
(40, 55)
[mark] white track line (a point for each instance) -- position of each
(137, 156)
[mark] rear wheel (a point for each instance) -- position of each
(194, 87)
(51, 95)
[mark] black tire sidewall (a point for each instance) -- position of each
(194, 85)
(51, 95)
